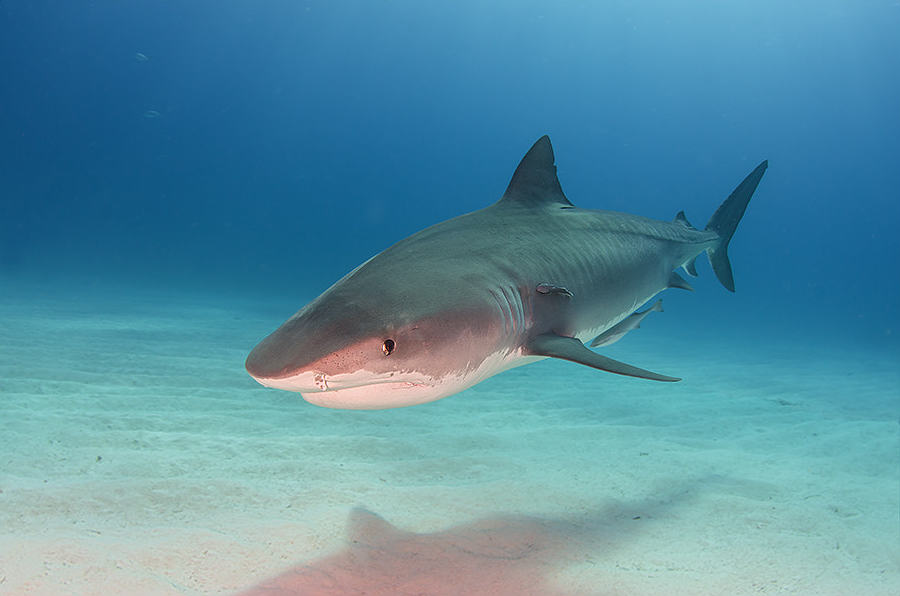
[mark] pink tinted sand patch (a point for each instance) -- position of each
(497, 556)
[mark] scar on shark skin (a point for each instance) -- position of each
(534, 277)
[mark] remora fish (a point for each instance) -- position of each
(529, 277)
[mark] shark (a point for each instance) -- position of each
(527, 278)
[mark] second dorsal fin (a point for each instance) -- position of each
(534, 182)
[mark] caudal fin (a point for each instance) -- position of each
(725, 221)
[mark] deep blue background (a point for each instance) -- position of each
(295, 139)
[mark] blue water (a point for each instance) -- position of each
(263, 149)
(279, 144)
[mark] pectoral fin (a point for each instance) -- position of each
(569, 348)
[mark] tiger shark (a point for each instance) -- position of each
(527, 278)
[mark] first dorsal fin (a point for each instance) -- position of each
(534, 181)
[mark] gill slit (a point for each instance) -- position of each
(512, 311)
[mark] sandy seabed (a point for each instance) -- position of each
(137, 457)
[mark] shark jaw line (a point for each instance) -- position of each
(360, 390)
(394, 393)
(364, 390)
(311, 381)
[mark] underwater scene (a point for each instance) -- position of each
(391, 297)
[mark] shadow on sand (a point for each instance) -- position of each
(500, 555)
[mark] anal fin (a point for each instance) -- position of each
(569, 348)
(691, 267)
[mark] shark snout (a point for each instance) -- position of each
(264, 362)
(281, 357)
(279, 376)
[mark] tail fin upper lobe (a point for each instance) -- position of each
(725, 220)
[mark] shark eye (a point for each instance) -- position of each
(388, 346)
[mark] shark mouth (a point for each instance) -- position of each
(361, 390)
(377, 396)
(365, 390)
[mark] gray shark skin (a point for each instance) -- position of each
(529, 277)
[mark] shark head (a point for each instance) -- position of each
(430, 316)
(360, 346)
